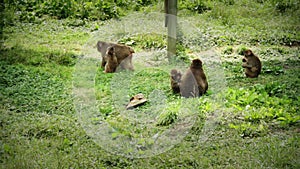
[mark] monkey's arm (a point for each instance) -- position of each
(251, 74)
(254, 69)
(245, 65)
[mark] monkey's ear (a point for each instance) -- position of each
(248, 52)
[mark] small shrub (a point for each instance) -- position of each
(272, 69)
(198, 6)
(29, 10)
(285, 5)
(250, 130)
(181, 53)
(228, 50)
(228, 2)
(168, 116)
(145, 41)
(273, 88)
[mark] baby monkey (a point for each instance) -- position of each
(175, 80)
(112, 61)
(251, 64)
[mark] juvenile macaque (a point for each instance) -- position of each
(175, 80)
(111, 59)
(123, 54)
(251, 64)
(193, 82)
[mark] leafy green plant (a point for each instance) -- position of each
(181, 53)
(250, 130)
(273, 69)
(273, 89)
(26, 89)
(29, 10)
(145, 41)
(285, 5)
(264, 97)
(228, 50)
(227, 2)
(18, 54)
(198, 6)
(169, 115)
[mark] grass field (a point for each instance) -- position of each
(59, 110)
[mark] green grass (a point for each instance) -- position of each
(239, 123)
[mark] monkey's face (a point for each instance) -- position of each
(100, 44)
(175, 75)
(248, 53)
(173, 72)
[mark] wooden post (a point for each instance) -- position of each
(171, 23)
(166, 12)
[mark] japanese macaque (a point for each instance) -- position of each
(175, 80)
(112, 62)
(193, 82)
(122, 52)
(251, 64)
(126, 63)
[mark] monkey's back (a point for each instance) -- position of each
(201, 80)
(189, 85)
(122, 52)
(255, 62)
(193, 83)
(259, 65)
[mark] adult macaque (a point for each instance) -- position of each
(126, 63)
(251, 64)
(112, 62)
(122, 52)
(175, 80)
(193, 82)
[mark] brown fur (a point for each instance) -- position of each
(251, 64)
(112, 62)
(126, 63)
(194, 82)
(175, 80)
(123, 54)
